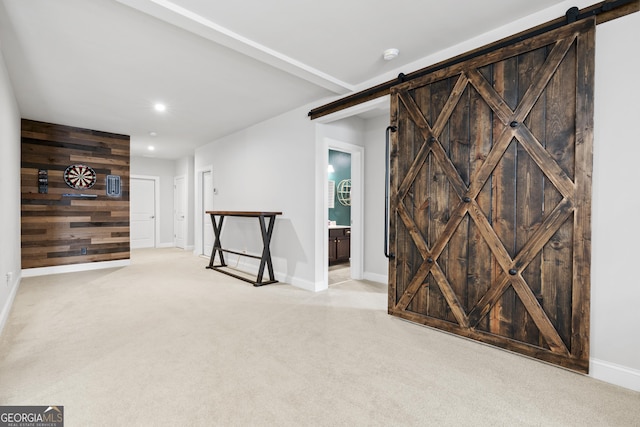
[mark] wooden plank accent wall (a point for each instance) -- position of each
(57, 229)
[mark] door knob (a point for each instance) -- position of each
(152, 216)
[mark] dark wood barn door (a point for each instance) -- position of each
(491, 197)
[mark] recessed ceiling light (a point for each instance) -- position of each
(151, 148)
(152, 133)
(160, 107)
(390, 54)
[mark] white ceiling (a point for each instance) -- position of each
(219, 66)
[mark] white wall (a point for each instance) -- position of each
(293, 145)
(9, 194)
(349, 130)
(269, 167)
(376, 265)
(166, 170)
(615, 296)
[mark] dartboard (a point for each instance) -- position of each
(80, 177)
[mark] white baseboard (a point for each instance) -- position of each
(291, 280)
(615, 374)
(378, 278)
(298, 283)
(72, 268)
(173, 245)
(308, 285)
(250, 267)
(321, 286)
(4, 315)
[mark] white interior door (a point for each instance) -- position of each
(143, 213)
(207, 204)
(179, 203)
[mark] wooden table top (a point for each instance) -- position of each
(243, 213)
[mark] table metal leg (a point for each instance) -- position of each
(266, 252)
(217, 246)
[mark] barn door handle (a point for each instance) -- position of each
(386, 192)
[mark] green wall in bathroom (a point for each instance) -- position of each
(341, 163)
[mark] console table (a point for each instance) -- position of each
(265, 258)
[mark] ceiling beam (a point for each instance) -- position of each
(177, 15)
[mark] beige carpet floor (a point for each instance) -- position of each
(339, 273)
(165, 342)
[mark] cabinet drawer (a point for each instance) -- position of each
(337, 232)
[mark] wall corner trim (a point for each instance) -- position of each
(615, 374)
(72, 268)
(6, 310)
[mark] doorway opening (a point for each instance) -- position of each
(344, 211)
(339, 213)
(205, 202)
(179, 211)
(358, 125)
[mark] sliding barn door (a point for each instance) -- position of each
(491, 197)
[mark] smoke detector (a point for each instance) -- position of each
(390, 54)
